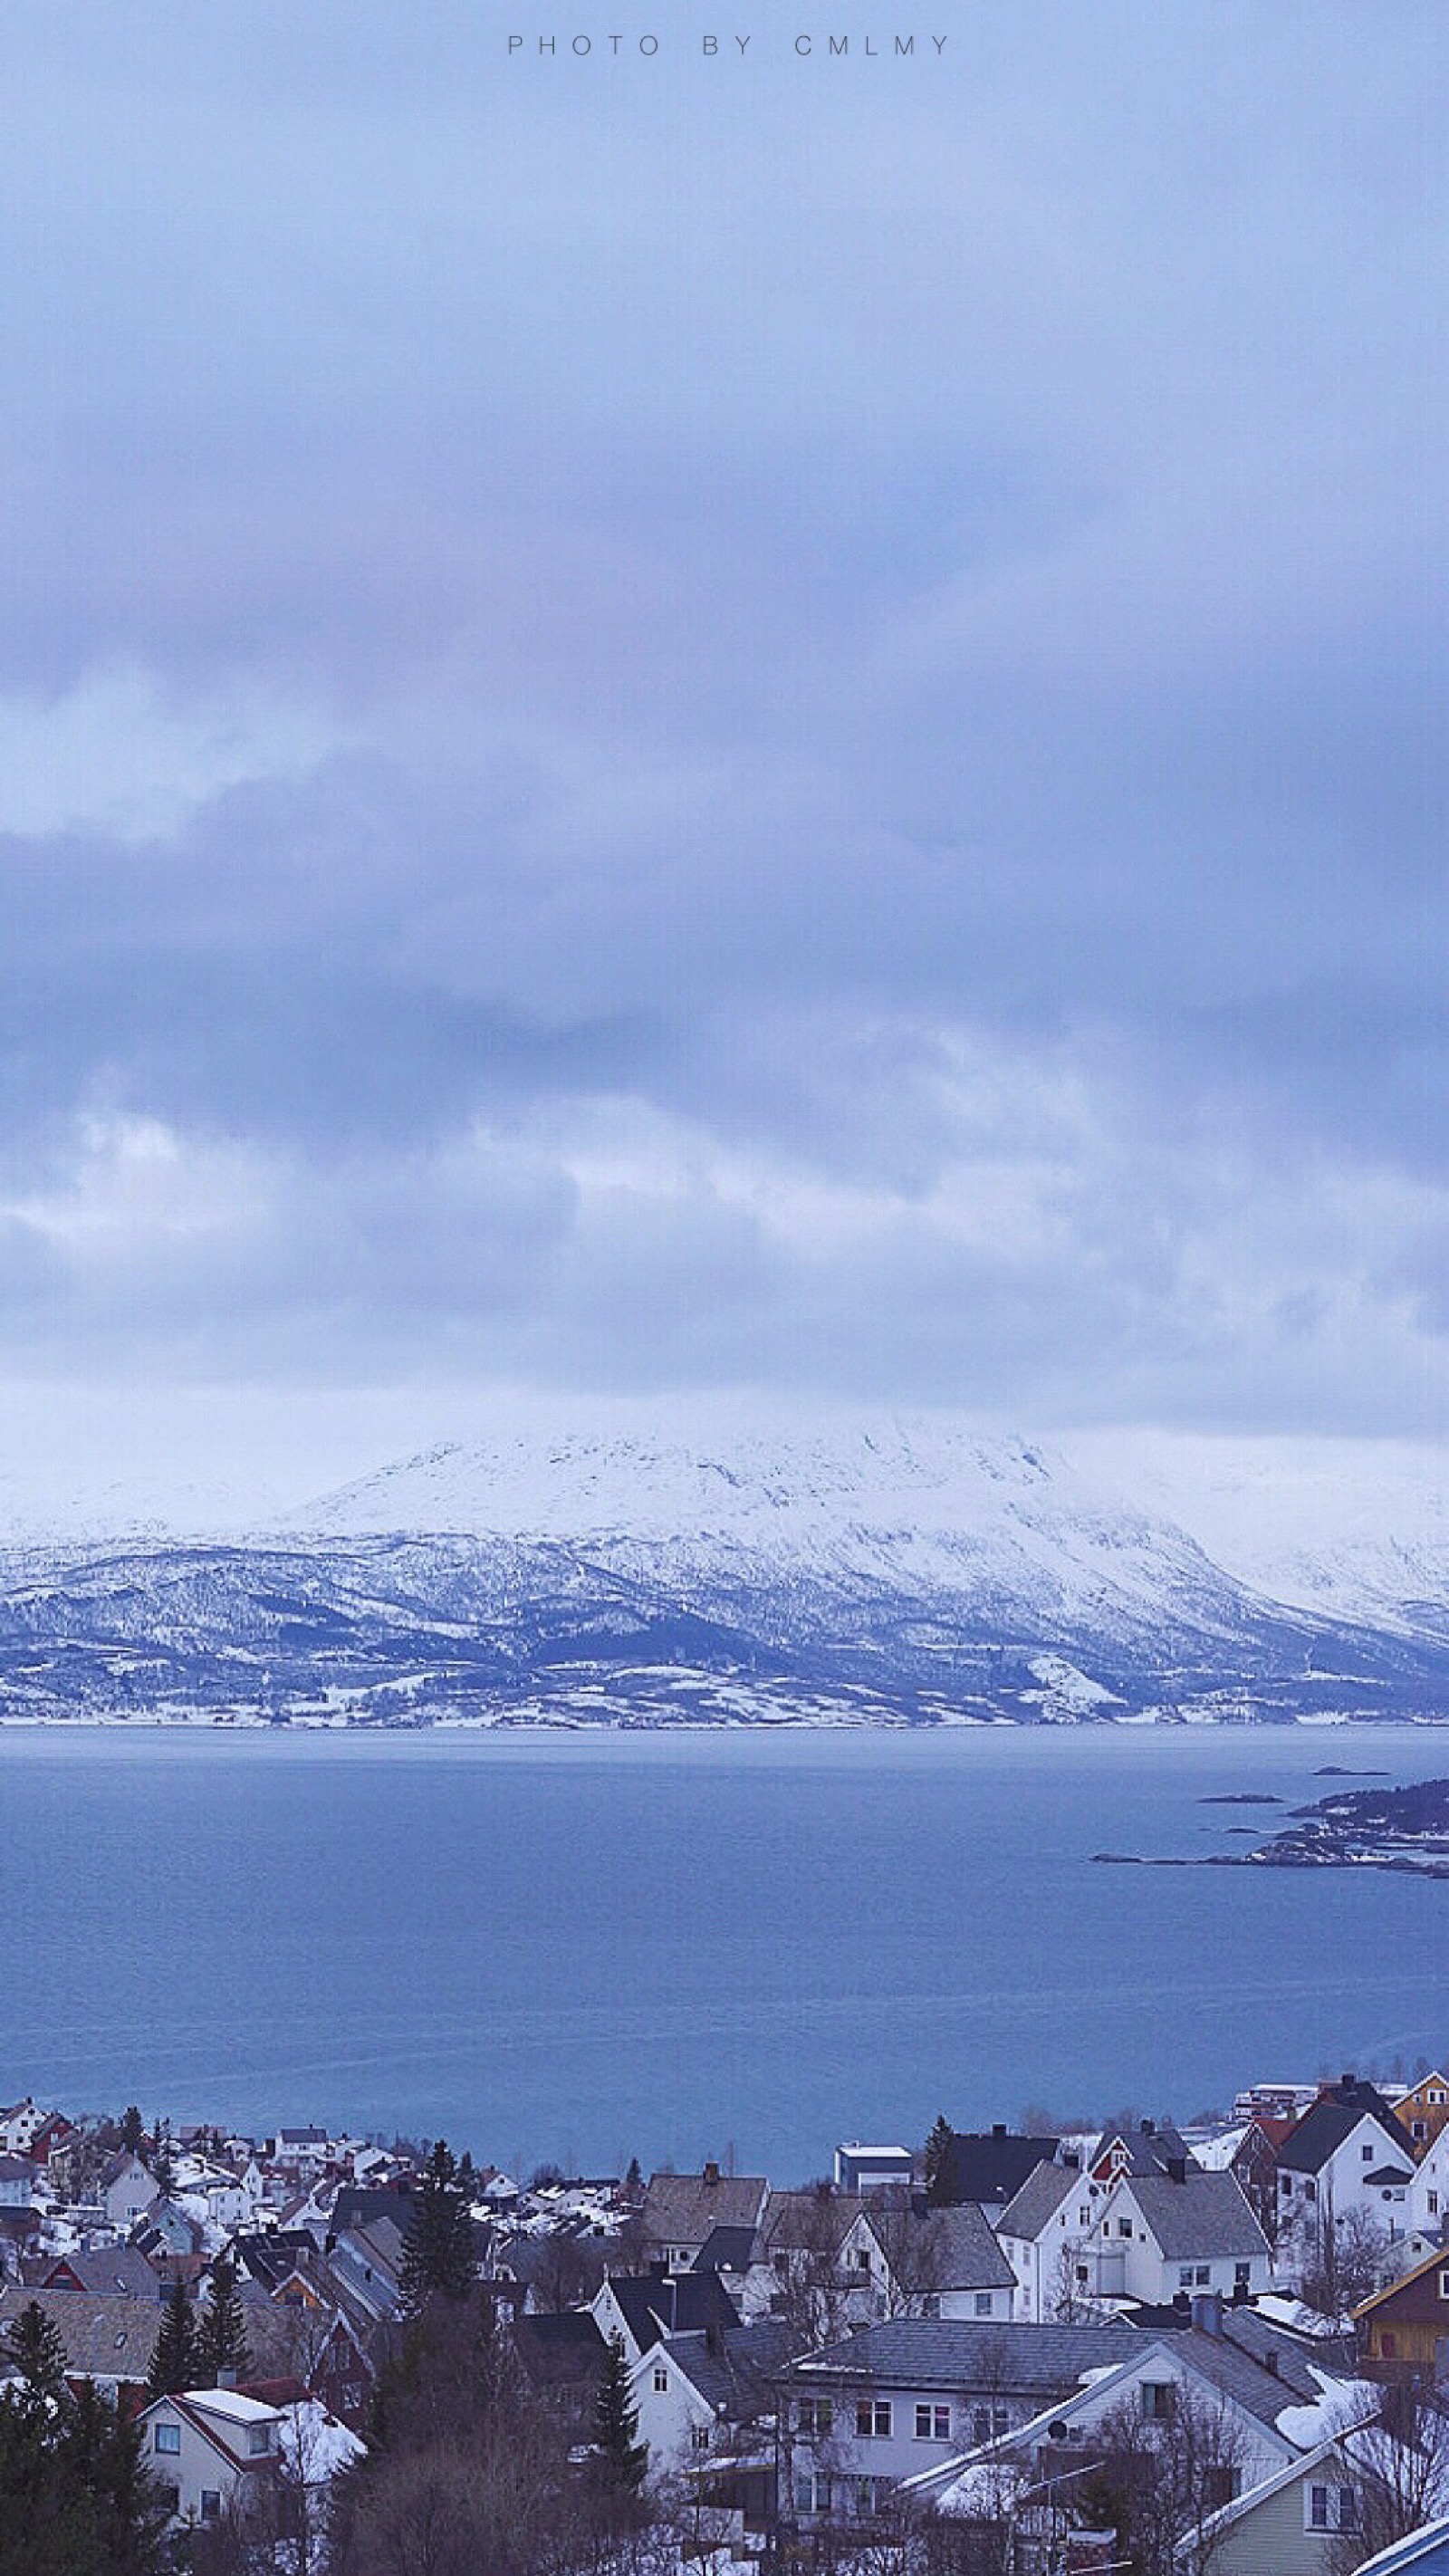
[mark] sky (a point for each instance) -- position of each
(763, 723)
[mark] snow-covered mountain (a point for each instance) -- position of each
(903, 1570)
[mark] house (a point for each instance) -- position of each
(205, 2447)
(1406, 2326)
(109, 2337)
(21, 2125)
(18, 2179)
(1149, 2386)
(1160, 2234)
(108, 2271)
(859, 2168)
(1039, 2231)
(989, 2167)
(561, 2359)
(641, 2312)
(822, 2250)
(54, 2134)
(1422, 2112)
(681, 2211)
(704, 2395)
(1347, 2153)
(1426, 2201)
(866, 2413)
(126, 2190)
(1291, 2523)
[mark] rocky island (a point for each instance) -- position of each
(1403, 1829)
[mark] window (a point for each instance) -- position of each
(1367, 2154)
(259, 2441)
(211, 2504)
(1444, 2284)
(933, 2423)
(1157, 2398)
(701, 2437)
(168, 2437)
(862, 2259)
(983, 2303)
(1184, 2276)
(1433, 2204)
(1242, 2274)
(981, 2424)
(812, 2491)
(1328, 2508)
(1202, 2277)
(817, 2414)
(873, 2419)
(1124, 2227)
(661, 2383)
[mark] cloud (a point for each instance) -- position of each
(668, 728)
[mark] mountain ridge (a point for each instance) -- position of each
(894, 1572)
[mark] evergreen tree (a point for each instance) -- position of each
(938, 2160)
(163, 2163)
(173, 2362)
(102, 2454)
(221, 2336)
(622, 2460)
(438, 2255)
(133, 2135)
(34, 2348)
(633, 2181)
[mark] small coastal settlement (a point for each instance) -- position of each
(1027, 2351)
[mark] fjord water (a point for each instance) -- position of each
(585, 1946)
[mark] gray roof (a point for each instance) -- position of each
(812, 2222)
(735, 2371)
(112, 2271)
(104, 2337)
(1243, 2379)
(1037, 2362)
(1037, 2202)
(1203, 2215)
(1322, 2130)
(683, 2209)
(961, 2251)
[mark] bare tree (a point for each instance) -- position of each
(1167, 2475)
(1340, 2260)
(1399, 2473)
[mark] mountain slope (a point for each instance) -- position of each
(898, 1570)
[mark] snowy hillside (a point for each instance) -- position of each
(896, 1570)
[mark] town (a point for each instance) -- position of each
(1033, 2350)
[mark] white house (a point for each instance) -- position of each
(867, 2413)
(698, 2394)
(204, 2447)
(1157, 2236)
(1347, 2154)
(126, 2189)
(1426, 2201)
(1039, 2232)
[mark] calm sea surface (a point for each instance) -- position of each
(584, 1947)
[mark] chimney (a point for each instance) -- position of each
(711, 2174)
(1177, 2168)
(226, 2378)
(1149, 2128)
(998, 2128)
(1348, 2083)
(1207, 2314)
